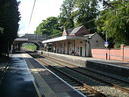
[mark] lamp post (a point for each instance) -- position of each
(106, 44)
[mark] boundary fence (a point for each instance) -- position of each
(121, 54)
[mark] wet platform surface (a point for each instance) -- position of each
(49, 84)
(31, 79)
(17, 80)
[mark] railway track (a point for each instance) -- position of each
(91, 75)
(90, 70)
(86, 89)
(99, 76)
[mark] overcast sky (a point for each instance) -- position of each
(43, 9)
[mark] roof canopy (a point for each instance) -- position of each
(71, 34)
(67, 38)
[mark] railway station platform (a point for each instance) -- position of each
(108, 66)
(49, 84)
(25, 77)
(15, 79)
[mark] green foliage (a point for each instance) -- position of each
(114, 21)
(9, 18)
(73, 13)
(29, 46)
(50, 26)
(66, 16)
(79, 12)
(86, 13)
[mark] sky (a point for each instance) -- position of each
(43, 9)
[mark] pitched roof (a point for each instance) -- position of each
(79, 31)
(75, 30)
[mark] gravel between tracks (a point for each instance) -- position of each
(107, 90)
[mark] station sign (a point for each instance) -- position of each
(106, 44)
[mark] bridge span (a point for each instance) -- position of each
(28, 38)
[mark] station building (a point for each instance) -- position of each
(78, 41)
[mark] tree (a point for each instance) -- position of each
(79, 12)
(86, 13)
(114, 21)
(50, 26)
(9, 18)
(66, 17)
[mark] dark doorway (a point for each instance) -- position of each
(80, 51)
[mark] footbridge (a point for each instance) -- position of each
(28, 38)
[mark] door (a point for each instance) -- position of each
(80, 51)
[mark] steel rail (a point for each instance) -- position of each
(88, 69)
(83, 84)
(96, 78)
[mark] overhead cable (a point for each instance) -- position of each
(32, 12)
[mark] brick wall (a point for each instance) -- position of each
(126, 53)
(121, 54)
